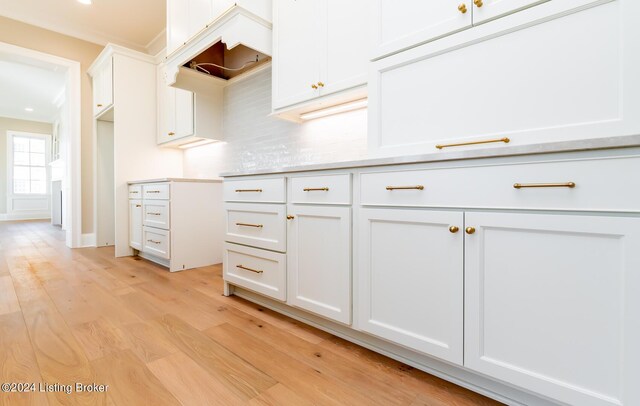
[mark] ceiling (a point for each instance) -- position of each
(30, 84)
(131, 23)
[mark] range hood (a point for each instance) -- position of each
(234, 44)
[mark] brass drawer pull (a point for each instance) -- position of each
(153, 191)
(133, 191)
(570, 185)
(316, 189)
(249, 269)
(153, 241)
(416, 187)
(154, 214)
(248, 190)
(250, 225)
(505, 140)
(171, 134)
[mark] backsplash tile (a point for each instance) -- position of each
(253, 140)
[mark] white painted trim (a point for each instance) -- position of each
(162, 36)
(93, 37)
(88, 240)
(31, 215)
(73, 170)
(113, 49)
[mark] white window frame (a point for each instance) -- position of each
(12, 213)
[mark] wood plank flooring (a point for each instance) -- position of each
(156, 338)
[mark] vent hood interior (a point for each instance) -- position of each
(239, 40)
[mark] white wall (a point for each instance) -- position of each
(253, 140)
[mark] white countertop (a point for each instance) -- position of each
(543, 148)
(160, 180)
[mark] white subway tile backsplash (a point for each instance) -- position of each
(253, 140)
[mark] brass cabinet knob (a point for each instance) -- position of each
(462, 8)
(290, 217)
(478, 3)
(99, 105)
(172, 134)
(314, 86)
(470, 230)
(320, 84)
(454, 229)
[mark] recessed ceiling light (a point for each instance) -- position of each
(29, 109)
(84, 1)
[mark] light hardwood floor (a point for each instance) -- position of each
(157, 338)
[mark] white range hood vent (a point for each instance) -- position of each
(233, 44)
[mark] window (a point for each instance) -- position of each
(29, 165)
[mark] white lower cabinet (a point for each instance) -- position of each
(319, 260)
(411, 279)
(550, 304)
(135, 224)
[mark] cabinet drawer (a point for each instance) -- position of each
(135, 191)
(156, 191)
(329, 189)
(598, 185)
(156, 213)
(258, 225)
(258, 270)
(255, 190)
(156, 242)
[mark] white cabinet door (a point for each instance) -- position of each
(410, 279)
(319, 260)
(346, 34)
(200, 14)
(135, 224)
(184, 113)
(552, 304)
(297, 51)
(484, 10)
(486, 91)
(103, 88)
(177, 24)
(398, 26)
(166, 109)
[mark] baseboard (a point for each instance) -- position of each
(45, 215)
(88, 240)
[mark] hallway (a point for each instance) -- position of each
(156, 338)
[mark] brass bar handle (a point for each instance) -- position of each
(505, 140)
(249, 269)
(133, 191)
(248, 190)
(570, 185)
(171, 134)
(250, 225)
(316, 189)
(416, 187)
(154, 214)
(99, 105)
(153, 191)
(153, 241)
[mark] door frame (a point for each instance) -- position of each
(73, 191)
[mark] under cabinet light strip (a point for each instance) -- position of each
(340, 108)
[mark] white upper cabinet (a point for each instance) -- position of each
(178, 29)
(297, 51)
(184, 116)
(552, 306)
(410, 279)
(320, 49)
(400, 26)
(511, 82)
(103, 87)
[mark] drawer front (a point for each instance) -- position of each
(135, 191)
(258, 225)
(156, 242)
(156, 213)
(256, 190)
(589, 185)
(156, 191)
(329, 189)
(258, 270)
